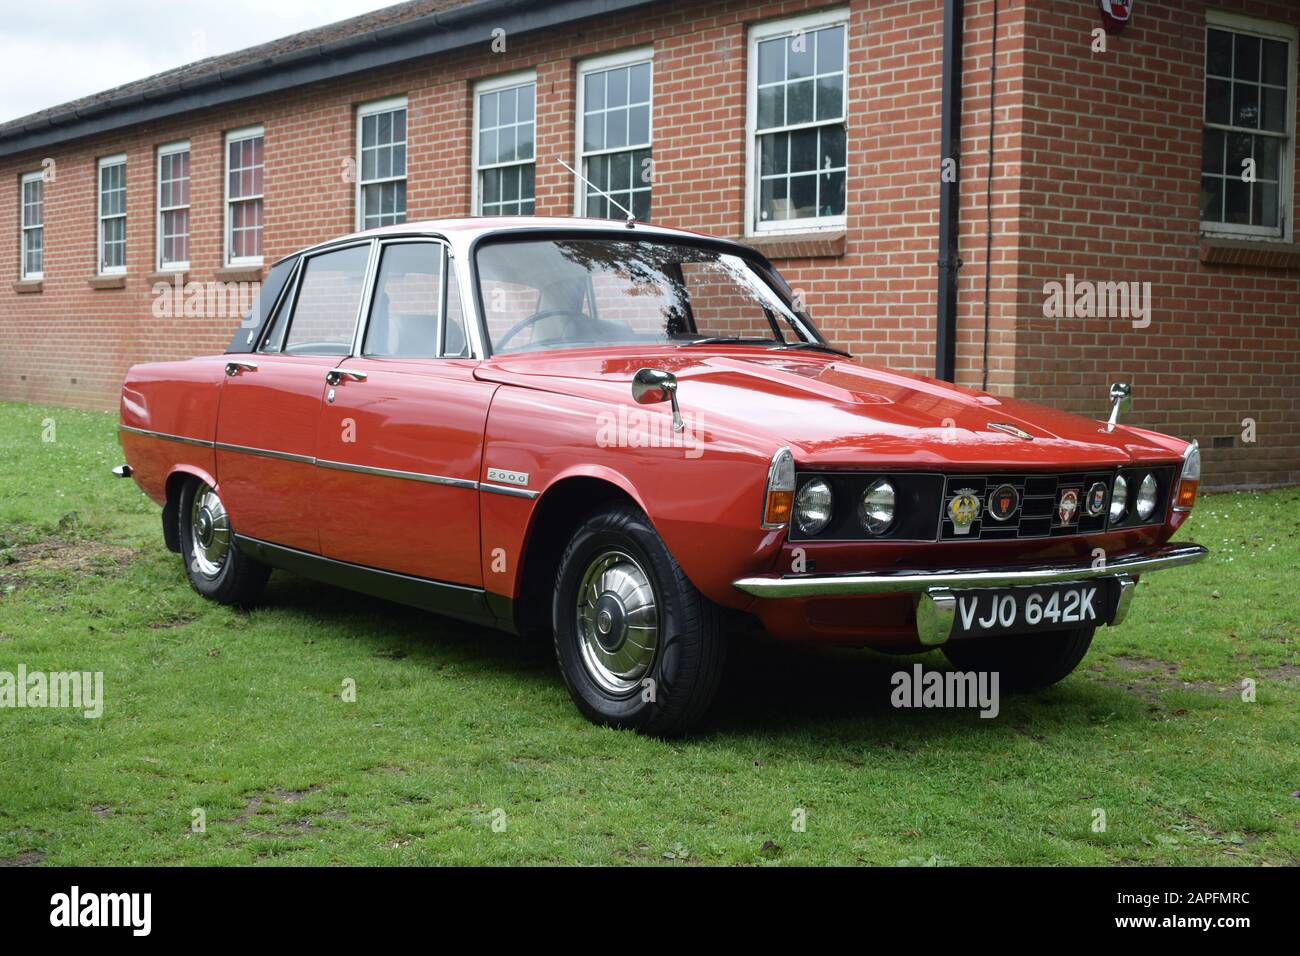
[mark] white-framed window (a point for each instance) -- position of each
(505, 110)
(112, 215)
(796, 154)
(32, 251)
(381, 163)
(1248, 140)
(245, 168)
(174, 206)
(614, 127)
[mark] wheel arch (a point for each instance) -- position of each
(564, 502)
(171, 516)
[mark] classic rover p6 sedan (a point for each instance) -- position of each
(631, 439)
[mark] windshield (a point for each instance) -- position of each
(562, 293)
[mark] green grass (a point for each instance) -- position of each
(241, 715)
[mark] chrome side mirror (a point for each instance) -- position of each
(650, 386)
(1121, 400)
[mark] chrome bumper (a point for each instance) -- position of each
(937, 605)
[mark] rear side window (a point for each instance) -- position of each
(328, 301)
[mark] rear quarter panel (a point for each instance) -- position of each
(176, 399)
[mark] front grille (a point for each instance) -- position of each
(1038, 513)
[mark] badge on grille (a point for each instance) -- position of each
(962, 509)
(1097, 498)
(1068, 505)
(1003, 502)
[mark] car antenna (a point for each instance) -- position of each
(631, 219)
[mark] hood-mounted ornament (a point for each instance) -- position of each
(1121, 400)
(1011, 430)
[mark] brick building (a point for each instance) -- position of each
(1153, 178)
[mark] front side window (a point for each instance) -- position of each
(174, 206)
(614, 122)
(381, 179)
(567, 293)
(328, 301)
(112, 215)
(1249, 126)
(245, 167)
(797, 150)
(504, 123)
(408, 303)
(32, 253)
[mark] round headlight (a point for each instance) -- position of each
(876, 509)
(1119, 499)
(812, 506)
(1146, 498)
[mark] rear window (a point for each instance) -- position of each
(328, 301)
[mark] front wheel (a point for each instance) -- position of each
(1023, 661)
(639, 647)
(215, 567)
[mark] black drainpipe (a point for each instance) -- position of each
(945, 362)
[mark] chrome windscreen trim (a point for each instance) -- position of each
(163, 436)
(896, 581)
(509, 492)
(265, 453)
(394, 473)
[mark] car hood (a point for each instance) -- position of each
(836, 412)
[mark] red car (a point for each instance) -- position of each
(629, 437)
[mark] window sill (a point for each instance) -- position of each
(1254, 253)
(804, 245)
(107, 282)
(239, 274)
(28, 286)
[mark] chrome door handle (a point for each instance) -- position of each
(234, 368)
(336, 376)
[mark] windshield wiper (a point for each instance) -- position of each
(726, 340)
(811, 346)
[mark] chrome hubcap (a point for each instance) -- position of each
(209, 532)
(618, 622)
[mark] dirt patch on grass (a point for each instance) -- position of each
(1152, 677)
(30, 858)
(73, 555)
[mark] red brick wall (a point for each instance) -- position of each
(1095, 168)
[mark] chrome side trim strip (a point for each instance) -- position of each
(393, 473)
(265, 453)
(509, 492)
(201, 443)
(912, 582)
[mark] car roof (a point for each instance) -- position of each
(470, 227)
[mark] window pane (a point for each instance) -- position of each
(325, 315)
(1274, 72)
(1245, 105)
(1218, 98)
(1240, 148)
(1264, 212)
(832, 151)
(1273, 111)
(594, 94)
(800, 56)
(830, 50)
(771, 107)
(1218, 55)
(1212, 151)
(593, 131)
(803, 196)
(1237, 201)
(799, 102)
(803, 150)
(640, 84)
(638, 131)
(1211, 199)
(1267, 157)
(527, 94)
(1246, 61)
(407, 301)
(616, 87)
(771, 61)
(616, 129)
(830, 97)
(487, 110)
(830, 196)
(524, 141)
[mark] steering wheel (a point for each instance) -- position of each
(530, 321)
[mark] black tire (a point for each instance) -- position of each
(1023, 661)
(237, 579)
(685, 665)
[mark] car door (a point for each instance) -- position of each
(401, 430)
(271, 400)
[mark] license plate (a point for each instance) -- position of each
(1023, 610)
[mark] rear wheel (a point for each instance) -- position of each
(639, 647)
(1023, 661)
(215, 567)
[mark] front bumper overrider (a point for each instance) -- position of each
(938, 604)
